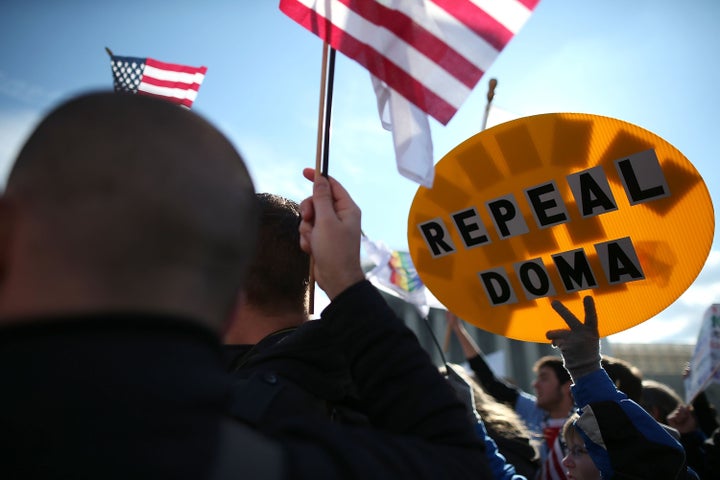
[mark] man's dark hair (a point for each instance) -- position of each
(556, 364)
(279, 274)
(659, 399)
(626, 376)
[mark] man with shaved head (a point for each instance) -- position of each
(131, 191)
(126, 229)
(126, 226)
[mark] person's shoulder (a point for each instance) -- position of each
(233, 354)
(239, 357)
(527, 403)
(526, 407)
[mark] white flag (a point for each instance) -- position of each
(429, 53)
(411, 134)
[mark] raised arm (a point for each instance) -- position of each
(330, 232)
(501, 391)
(469, 347)
(621, 437)
(419, 427)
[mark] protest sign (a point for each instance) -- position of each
(559, 206)
(705, 361)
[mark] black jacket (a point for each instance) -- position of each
(286, 378)
(144, 397)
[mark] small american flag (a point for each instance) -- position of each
(146, 76)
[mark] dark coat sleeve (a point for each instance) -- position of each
(419, 428)
(621, 437)
(501, 391)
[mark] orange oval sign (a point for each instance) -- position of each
(559, 206)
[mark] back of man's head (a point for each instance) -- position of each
(626, 376)
(659, 399)
(120, 202)
(278, 278)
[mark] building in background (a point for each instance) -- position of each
(662, 362)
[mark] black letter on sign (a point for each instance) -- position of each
(497, 287)
(436, 237)
(534, 279)
(591, 190)
(574, 270)
(594, 196)
(467, 228)
(619, 260)
(504, 213)
(654, 186)
(543, 198)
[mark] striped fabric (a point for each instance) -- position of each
(552, 467)
(146, 76)
(432, 52)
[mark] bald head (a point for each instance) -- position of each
(137, 203)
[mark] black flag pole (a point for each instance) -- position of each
(322, 152)
(321, 109)
(328, 111)
(327, 78)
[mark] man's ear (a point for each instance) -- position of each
(7, 228)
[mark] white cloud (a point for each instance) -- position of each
(25, 92)
(15, 127)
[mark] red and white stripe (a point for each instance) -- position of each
(432, 52)
(552, 468)
(173, 82)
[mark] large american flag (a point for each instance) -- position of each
(146, 76)
(432, 52)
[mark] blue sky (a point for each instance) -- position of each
(649, 62)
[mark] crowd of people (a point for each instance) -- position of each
(155, 324)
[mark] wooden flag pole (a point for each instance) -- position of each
(490, 95)
(322, 150)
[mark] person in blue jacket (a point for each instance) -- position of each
(621, 438)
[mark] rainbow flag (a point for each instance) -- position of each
(395, 274)
(403, 273)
